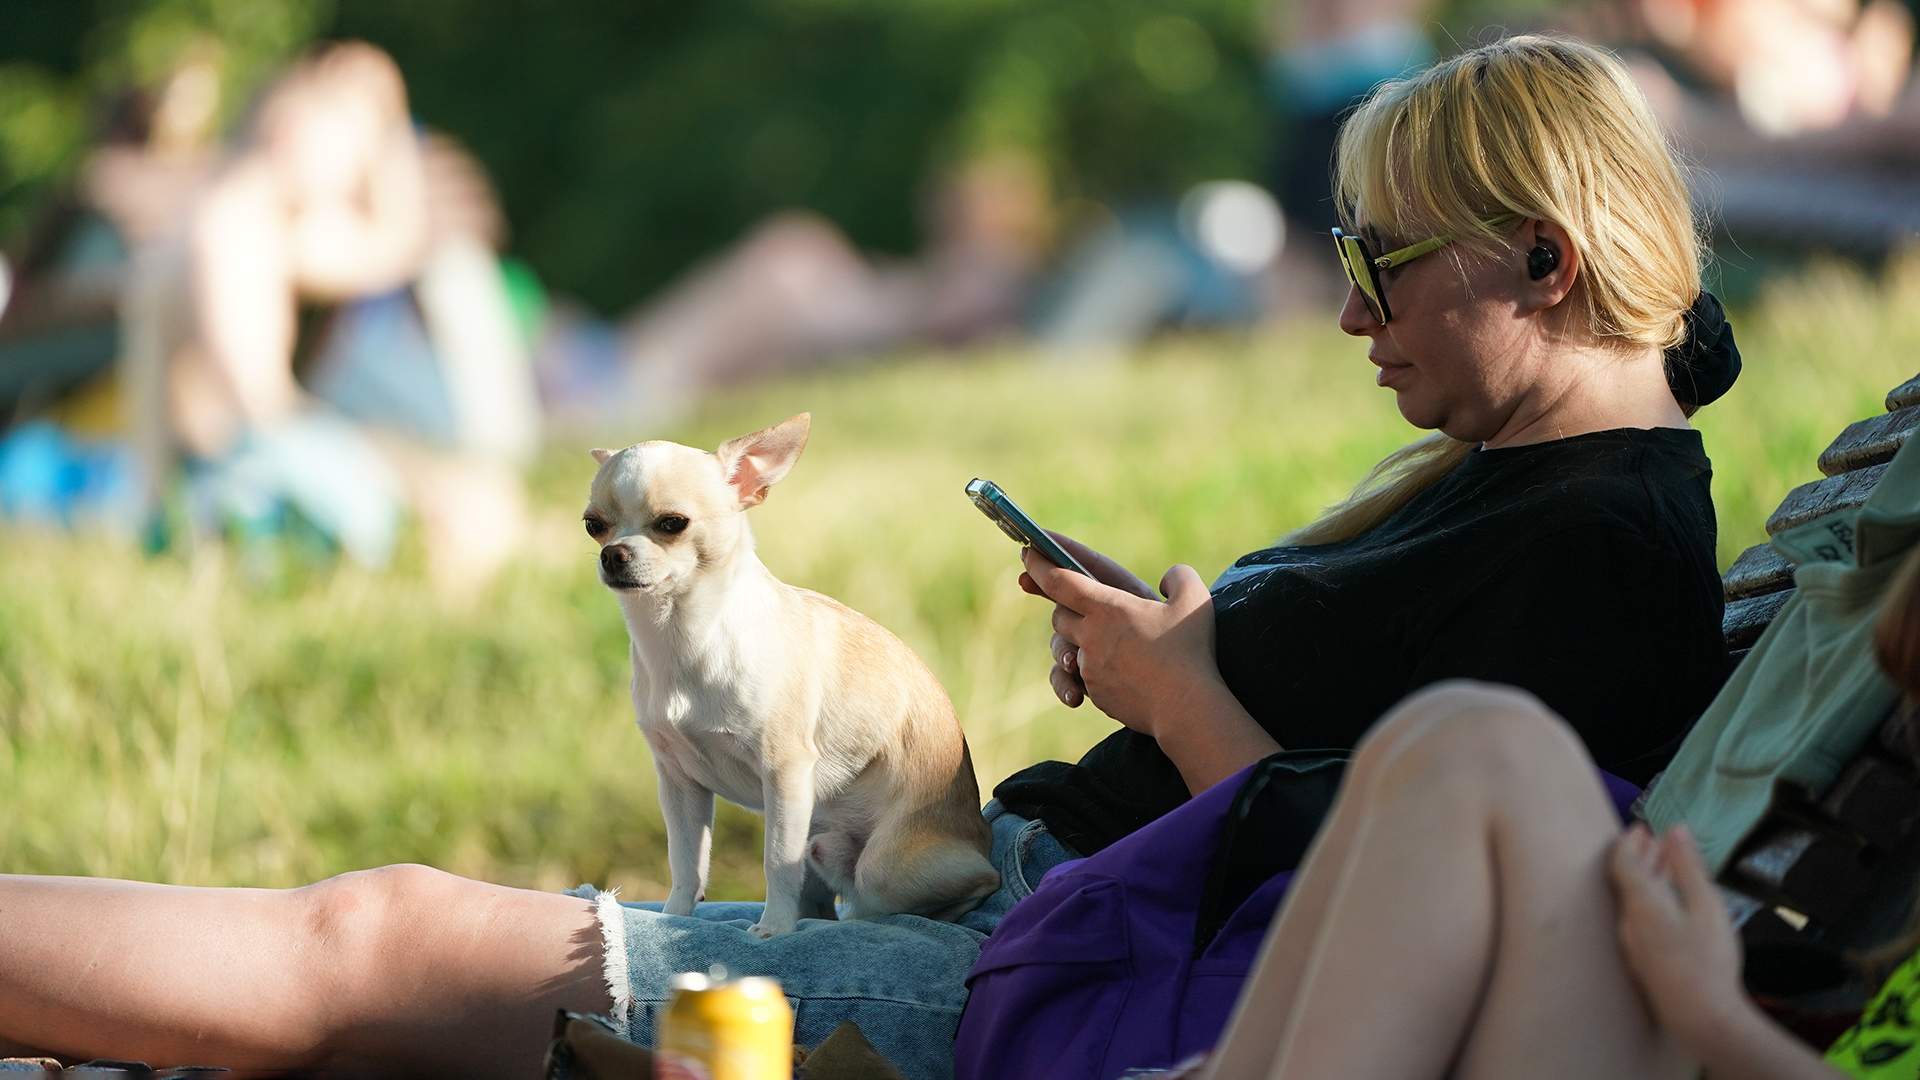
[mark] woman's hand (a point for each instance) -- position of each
(1065, 676)
(1676, 936)
(1135, 656)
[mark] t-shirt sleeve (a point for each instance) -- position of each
(1602, 624)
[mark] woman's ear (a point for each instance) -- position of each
(1550, 264)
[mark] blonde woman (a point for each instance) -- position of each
(1523, 258)
(1525, 268)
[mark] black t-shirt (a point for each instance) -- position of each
(1581, 569)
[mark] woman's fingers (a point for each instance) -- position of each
(1689, 873)
(1073, 589)
(1104, 569)
(1067, 623)
(1623, 862)
(1066, 687)
(1065, 653)
(1182, 583)
(1632, 865)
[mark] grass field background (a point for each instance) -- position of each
(184, 719)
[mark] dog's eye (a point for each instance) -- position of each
(670, 523)
(594, 525)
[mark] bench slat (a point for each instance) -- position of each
(1747, 619)
(1814, 873)
(1877, 799)
(1808, 501)
(1900, 736)
(1759, 569)
(1907, 393)
(1870, 441)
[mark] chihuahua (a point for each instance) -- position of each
(780, 699)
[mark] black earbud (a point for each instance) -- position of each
(1541, 261)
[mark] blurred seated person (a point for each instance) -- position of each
(1803, 111)
(795, 293)
(152, 149)
(1745, 81)
(419, 391)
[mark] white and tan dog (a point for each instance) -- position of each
(777, 697)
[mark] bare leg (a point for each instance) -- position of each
(1468, 929)
(791, 294)
(1252, 1038)
(402, 970)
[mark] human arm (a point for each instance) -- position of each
(1686, 956)
(343, 248)
(1149, 664)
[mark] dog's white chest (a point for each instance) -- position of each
(707, 741)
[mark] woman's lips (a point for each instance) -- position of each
(1389, 373)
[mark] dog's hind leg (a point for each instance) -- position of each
(834, 855)
(816, 897)
(909, 869)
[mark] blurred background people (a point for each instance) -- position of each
(314, 330)
(417, 391)
(797, 292)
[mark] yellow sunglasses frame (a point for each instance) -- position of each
(1353, 254)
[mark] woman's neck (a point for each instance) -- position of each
(1597, 389)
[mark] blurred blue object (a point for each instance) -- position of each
(49, 478)
(378, 366)
(1160, 265)
(317, 467)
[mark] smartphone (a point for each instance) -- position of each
(1015, 523)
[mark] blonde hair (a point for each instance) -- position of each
(1542, 127)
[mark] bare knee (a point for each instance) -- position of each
(357, 927)
(1458, 731)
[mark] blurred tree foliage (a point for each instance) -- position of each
(630, 137)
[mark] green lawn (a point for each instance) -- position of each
(182, 719)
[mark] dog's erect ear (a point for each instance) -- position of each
(753, 463)
(599, 455)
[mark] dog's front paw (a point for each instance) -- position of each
(771, 928)
(680, 903)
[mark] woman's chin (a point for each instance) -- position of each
(1417, 412)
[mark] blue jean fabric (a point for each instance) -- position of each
(902, 978)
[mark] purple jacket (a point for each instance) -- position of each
(1134, 957)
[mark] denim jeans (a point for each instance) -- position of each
(902, 978)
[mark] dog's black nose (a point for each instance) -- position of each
(615, 556)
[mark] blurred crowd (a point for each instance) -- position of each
(308, 324)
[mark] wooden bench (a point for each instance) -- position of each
(1836, 866)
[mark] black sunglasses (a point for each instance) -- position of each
(1363, 267)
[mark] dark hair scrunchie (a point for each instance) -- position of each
(1706, 362)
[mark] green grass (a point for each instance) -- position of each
(185, 719)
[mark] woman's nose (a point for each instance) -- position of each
(1355, 317)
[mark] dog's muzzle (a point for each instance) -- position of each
(618, 570)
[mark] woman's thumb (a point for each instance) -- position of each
(1181, 581)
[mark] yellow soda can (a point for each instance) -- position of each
(717, 1028)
